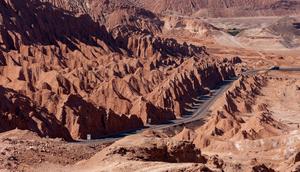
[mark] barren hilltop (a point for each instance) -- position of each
(194, 85)
(223, 8)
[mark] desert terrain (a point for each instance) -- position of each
(128, 85)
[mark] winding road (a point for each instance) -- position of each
(201, 111)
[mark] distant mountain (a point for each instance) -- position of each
(222, 8)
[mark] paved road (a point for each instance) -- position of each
(199, 114)
(202, 110)
(291, 69)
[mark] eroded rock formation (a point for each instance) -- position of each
(227, 123)
(91, 81)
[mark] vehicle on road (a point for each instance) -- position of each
(275, 68)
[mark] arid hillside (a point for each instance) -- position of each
(222, 8)
(70, 69)
(140, 85)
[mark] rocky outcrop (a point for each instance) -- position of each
(18, 111)
(262, 167)
(82, 118)
(133, 19)
(227, 123)
(113, 13)
(221, 8)
(32, 22)
(168, 6)
(149, 113)
(216, 162)
(188, 82)
(156, 149)
(147, 45)
(94, 82)
(297, 157)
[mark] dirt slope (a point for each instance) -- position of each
(222, 8)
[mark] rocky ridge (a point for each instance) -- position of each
(222, 8)
(91, 81)
(227, 123)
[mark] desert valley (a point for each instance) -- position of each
(140, 85)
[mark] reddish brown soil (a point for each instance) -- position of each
(71, 68)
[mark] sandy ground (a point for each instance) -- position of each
(23, 150)
(282, 95)
(256, 45)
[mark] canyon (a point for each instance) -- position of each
(76, 69)
(91, 82)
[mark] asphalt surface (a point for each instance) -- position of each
(199, 113)
(201, 110)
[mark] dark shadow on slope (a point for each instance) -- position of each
(41, 23)
(18, 111)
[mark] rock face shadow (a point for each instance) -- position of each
(40, 23)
